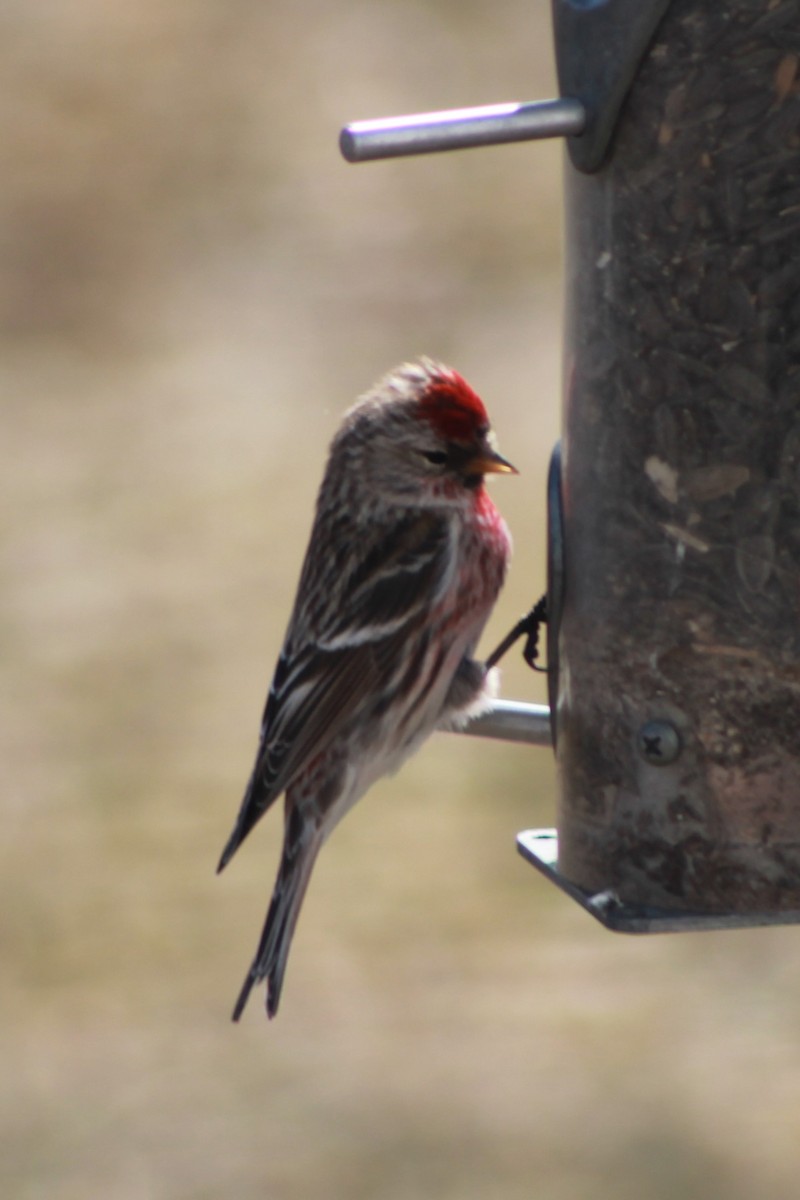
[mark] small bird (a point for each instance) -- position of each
(406, 558)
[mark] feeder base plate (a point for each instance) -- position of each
(540, 847)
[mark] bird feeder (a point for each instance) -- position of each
(674, 502)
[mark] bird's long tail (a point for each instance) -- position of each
(301, 845)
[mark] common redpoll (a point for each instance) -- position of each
(406, 559)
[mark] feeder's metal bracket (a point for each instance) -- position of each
(599, 45)
(555, 582)
(540, 848)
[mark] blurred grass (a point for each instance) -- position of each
(194, 287)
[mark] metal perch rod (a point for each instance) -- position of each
(511, 721)
(461, 128)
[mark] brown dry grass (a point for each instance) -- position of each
(194, 287)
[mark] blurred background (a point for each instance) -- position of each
(194, 286)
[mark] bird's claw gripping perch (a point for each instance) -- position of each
(527, 627)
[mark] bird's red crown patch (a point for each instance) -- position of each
(454, 410)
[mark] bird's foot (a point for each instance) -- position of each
(527, 627)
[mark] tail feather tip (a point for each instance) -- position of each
(230, 849)
(244, 995)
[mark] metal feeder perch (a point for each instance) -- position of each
(674, 503)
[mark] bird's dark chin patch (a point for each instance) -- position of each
(473, 482)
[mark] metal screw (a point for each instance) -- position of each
(658, 743)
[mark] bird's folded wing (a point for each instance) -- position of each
(323, 693)
(318, 688)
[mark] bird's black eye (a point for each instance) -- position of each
(437, 457)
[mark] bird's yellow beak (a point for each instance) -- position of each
(489, 462)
